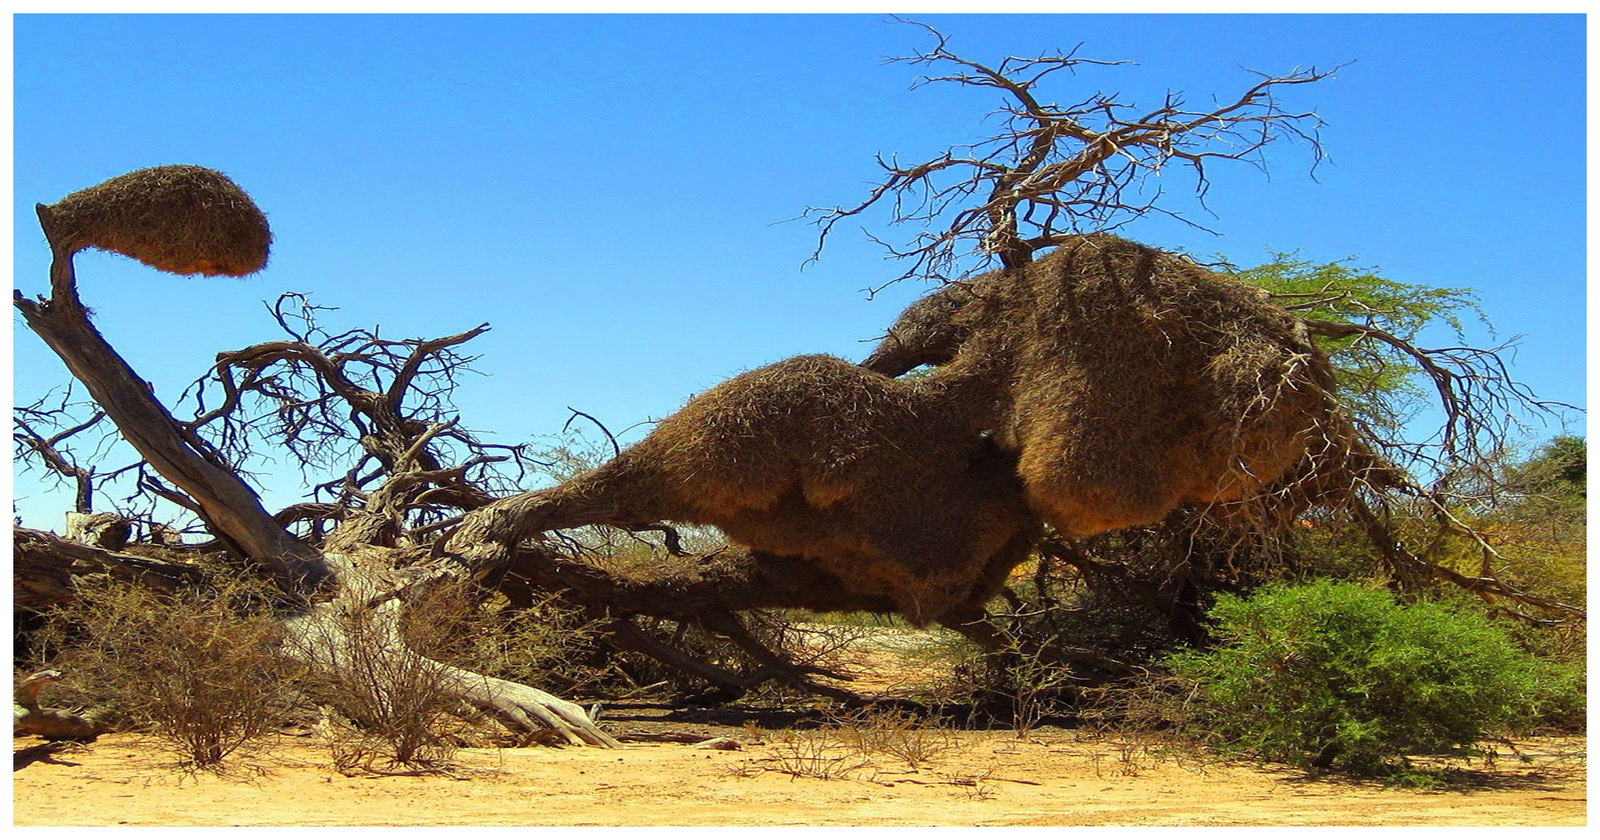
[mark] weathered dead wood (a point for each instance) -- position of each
(48, 571)
(730, 580)
(52, 451)
(322, 637)
(45, 569)
(372, 394)
(28, 717)
(216, 493)
(226, 503)
(1055, 170)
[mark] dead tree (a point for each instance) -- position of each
(192, 220)
(53, 450)
(1054, 169)
(28, 717)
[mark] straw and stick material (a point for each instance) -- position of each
(1137, 380)
(180, 219)
(1101, 387)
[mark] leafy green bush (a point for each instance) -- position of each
(1336, 674)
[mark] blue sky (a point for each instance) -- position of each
(610, 192)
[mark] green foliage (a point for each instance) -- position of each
(1557, 469)
(1336, 674)
(1381, 384)
(1540, 524)
(1545, 516)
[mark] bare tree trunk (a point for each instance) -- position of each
(47, 566)
(101, 530)
(226, 503)
(322, 637)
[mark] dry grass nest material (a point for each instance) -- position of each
(181, 219)
(1139, 381)
(1098, 388)
(887, 486)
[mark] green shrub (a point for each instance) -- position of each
(1336, 674)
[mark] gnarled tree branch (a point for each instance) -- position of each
(1056, 170)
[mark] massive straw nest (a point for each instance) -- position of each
(182, 219)
(1138, 380)
(890, 487)
(1098, 388)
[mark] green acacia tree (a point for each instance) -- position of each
(1542, 512)
(1558, 470)
(1382, 384)
(1451, 419)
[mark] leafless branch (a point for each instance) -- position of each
(1056, 170)
(615, 449)
(355, 397)
(42, 435)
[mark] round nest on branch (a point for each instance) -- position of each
(180, 219)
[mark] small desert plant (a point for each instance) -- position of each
(387, 702)
(896, 733)
(200, 670)
(548, 643)
(1020, 686)
(852, 743)
(819, 754)
(973, 785)
(1336, 674)
(1038, 687)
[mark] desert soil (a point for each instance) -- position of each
(1053, 777)
(786, 772)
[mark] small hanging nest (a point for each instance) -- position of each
(180, 219)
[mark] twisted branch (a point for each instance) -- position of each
(1055, 170)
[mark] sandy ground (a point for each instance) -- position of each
(786, 772)
(1055, 777)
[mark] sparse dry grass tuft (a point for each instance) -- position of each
(201, 671)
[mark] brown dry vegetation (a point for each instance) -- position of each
(1098, 388)
(878, 766)
(1140, 381)
(181, 219)
(888, 486)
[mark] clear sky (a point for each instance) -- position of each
(609, 192)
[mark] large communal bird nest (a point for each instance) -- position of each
(1138, 380)
(1101, 387)
(181, 219)
(890, 487)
